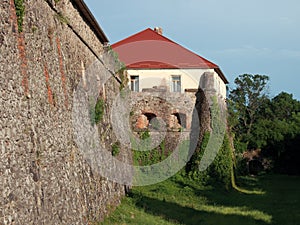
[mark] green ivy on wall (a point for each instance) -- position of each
(96, 111)
(20, 12)
(115, 149)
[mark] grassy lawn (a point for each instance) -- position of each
(275, 200)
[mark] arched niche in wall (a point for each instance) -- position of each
(178, 120)
(144, 120)
(150, 116)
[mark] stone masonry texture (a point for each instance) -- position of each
(44, 179)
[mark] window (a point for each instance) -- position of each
(134, 83)
(176, 84)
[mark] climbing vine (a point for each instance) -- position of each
(220, 170)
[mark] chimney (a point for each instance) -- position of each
(158, 30)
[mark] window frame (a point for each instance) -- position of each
(135, 83)
(176, 83)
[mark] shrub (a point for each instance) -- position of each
(241, 167)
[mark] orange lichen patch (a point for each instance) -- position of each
(62, 72)
(21, 47)
(49, 91)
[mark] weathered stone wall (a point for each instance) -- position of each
(43, 175)
(163, 105)
(193, 107)
(155, 109)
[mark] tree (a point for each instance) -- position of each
(258, 122)
(282, 106)
(249, 94)
(272, 125)
(277, 132)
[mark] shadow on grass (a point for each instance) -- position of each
(274, 196)
(207, 215)
(183, 201)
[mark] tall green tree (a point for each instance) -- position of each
(276, 120)
(245, 99)
(272, 125)
(281, 107)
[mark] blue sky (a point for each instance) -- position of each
(257, 37)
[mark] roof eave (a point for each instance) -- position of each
(82, 7)
(220, 73)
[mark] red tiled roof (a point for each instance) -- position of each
(150, 50)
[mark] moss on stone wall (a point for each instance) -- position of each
(96, 111)
(115, 149)
(62, 18)
(20, 11)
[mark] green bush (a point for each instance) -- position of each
(239, 146)
(241, 167)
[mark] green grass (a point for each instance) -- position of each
(269, 199)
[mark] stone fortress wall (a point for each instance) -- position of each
(44, 178)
